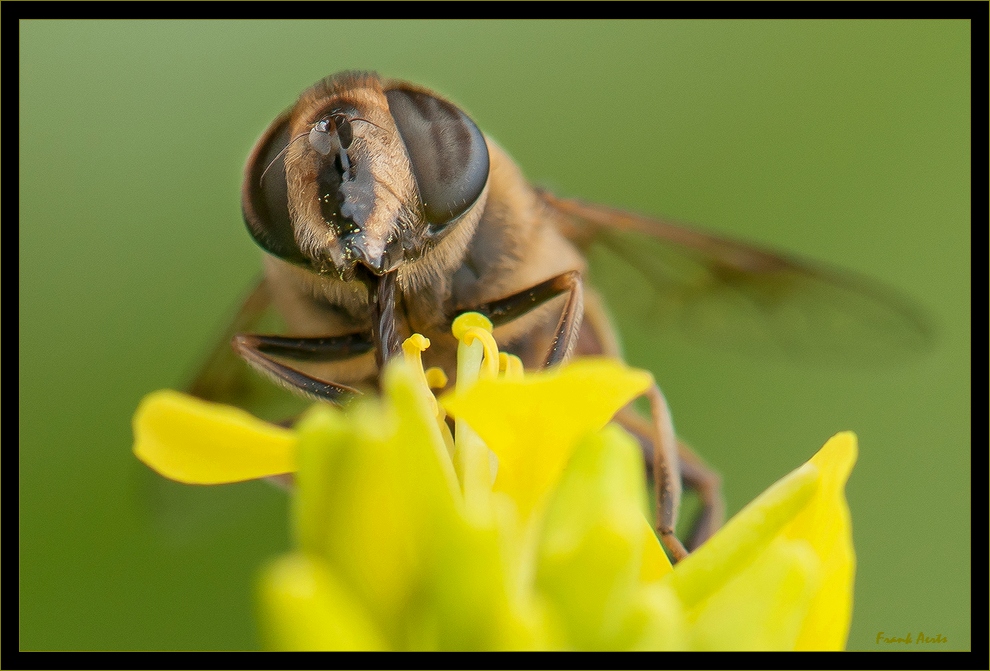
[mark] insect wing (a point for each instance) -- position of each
(226, 378)
(737, 296)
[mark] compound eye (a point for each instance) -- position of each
(448, 153)
(265, 202)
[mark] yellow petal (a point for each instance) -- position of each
(197, 442)
(591, 555)
(743, 538)
(764, 605)
(826, 524)
(377, 498)
(779, 574)
(353, 508)
(533, 424)
(304, 606)
(655, 562)
(661, 619)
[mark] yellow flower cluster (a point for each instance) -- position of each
(525, 528)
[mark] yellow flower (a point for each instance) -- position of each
(525, 528)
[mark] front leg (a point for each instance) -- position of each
(258, 350)
(512, 307)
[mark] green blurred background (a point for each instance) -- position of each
(842, 141)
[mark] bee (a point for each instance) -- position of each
(385, 211)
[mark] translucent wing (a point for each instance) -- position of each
(224, 377)
(182, 513)
(734, 295)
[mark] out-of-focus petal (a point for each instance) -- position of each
(591, 552)
(304, 606)
(763, 606)
(376, 499)
(197, 442)
(364, 506)
(659, 617)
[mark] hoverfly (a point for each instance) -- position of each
(385, 211)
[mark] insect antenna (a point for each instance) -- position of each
(357, 118)
(279, 155)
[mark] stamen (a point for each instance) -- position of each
(477, 357)
(472, 326)
(436, 378)
(467, 320)
(510, 366)
(412, 351)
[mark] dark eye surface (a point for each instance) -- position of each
(265, 202)
(448, 153)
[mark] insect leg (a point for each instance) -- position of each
(695, 475)
(333, 348)
(565, 336)
(666, 473)
(700, 477)
(258, 350)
